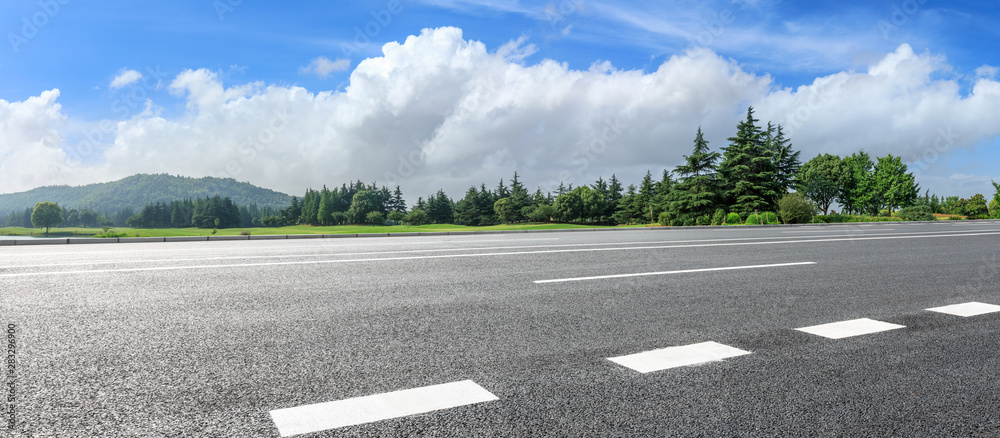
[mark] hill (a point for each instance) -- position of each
(137, 191)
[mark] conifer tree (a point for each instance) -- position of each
(748, 170)
(697, 191)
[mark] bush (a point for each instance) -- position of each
(770, 218)
(703, 220)
(794, 208)
(719, 217)
(753, 219)
(244, 233)
(994, 209)
(884, 213)
(688, 221)
(375, 218)
(733, 219)
(417, 217)
(664, 219)
(917, 213)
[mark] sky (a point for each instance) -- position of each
(447, 94)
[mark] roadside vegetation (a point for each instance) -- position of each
(757, 179)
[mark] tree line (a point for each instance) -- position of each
(757, 172)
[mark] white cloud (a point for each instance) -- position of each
(438, 111)
(125, 78)
(322, 66)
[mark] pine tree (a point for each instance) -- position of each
(644, 198)
(786, 160)
(697, 191)
(748, 170)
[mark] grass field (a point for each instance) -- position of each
(296, 229)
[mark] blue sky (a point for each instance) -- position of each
(144, 84)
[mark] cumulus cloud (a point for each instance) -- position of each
(322, 66)
(125, 78)
(438, 111)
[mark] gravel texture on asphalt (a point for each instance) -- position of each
(206, 338)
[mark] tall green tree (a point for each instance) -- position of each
(645, 197)
(748, 170)
(786, 160)
(856, 194)
(893, 186)
(46, 215)
(819, 180)
(363, 202)
(697, 190)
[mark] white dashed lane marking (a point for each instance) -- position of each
(367, 409)
(685, 271)
(967, 309)
(673, 357)
(846, 329)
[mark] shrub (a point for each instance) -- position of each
(884, 213)
(916, 213)
(664, 219)
(688, 221)
(770, 218)
(753, 219)
(994, 209)
(794, 208)
(417, 217)
(244, 233)
(703, 220)
(375, 218)
(719, 217)
(733, 219)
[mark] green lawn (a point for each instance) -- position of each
(296, 229)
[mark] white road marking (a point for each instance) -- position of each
(685, 271)
(846, 329)
(813, 231)
(360, 410)
(673, 357)
(492, 254)
(967, 309)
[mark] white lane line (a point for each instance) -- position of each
(321, 244)
(846, 329)
(813, 231)
(360, 410)
(967, 309)
(491, 254)
(673, 357)
(685, 271)
(329, 245)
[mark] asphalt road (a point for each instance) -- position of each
(208, 338)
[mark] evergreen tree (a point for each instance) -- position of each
(614, 195)
(644, 199)
(786, 160)
(696, 192)
(748, 170)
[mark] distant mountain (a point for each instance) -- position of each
(137, 191)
